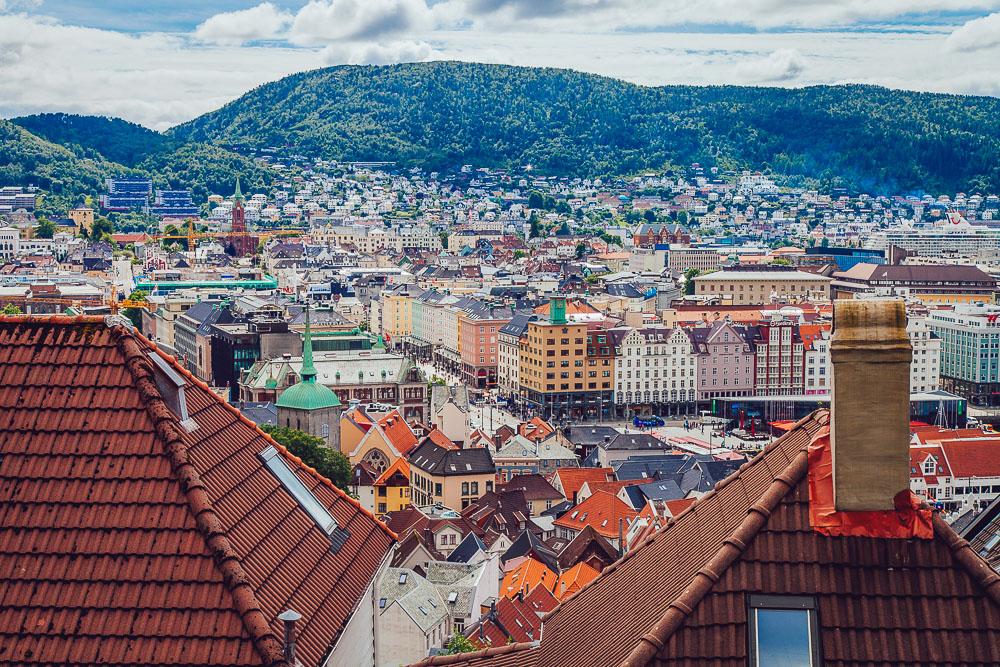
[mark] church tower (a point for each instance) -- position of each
(308, 405)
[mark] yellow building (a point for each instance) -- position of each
(397, 311)
(82, 217)
(454, 477)
(392, 488)
(558, 379)
(765, 286)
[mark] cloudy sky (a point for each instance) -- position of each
(160, 62)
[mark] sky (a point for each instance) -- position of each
(159, 63)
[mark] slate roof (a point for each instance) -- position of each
(469, 547)
(436, 460)
(534, 487)
(127, 539)
(417, 597)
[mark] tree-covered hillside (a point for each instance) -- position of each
(70, 163)
(29, 160)
(563, 122)
(111, 138)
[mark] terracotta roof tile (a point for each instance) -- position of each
(602, 511)
(125, 539)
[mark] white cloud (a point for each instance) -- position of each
(981, 33)
(782, 65)
(153, 79)
(326, 21)
(159, 80)
(265, 21)
(605, 15)
(376, 54)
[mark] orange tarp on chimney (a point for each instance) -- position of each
(910, 519)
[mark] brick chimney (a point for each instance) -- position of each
(870, 423)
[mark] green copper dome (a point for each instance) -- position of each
(307, 394)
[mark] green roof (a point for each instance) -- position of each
(308, 396)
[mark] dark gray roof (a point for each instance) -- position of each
(518, 324)
(590, 435)
(666, 489)
(440, 461)
(466, 549)
(260, 413)
(634, 441)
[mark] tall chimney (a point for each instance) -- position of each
(870, 423)
(289, 618)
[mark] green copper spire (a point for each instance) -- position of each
(238, 195)
(307, 394)
(308, 370)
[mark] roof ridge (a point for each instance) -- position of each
(235, 579)
(271, 441)
(818, 416)
(708, 574)
(971, 562)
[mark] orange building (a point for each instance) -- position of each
(554, 371)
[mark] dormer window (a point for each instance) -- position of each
(930, 466)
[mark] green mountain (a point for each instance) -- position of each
(110, 138)
(70, 157)
(27, 159)
(443, 114)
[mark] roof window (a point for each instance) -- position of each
(402, 578)
(783, 630)
(170, 385)
(303, 496)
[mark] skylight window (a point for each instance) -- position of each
(452, 597)
(783, 631)
(381, 603)
(303, 496)
(402, 578)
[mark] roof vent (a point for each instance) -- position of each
(289, 618)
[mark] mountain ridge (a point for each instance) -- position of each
(442, 114)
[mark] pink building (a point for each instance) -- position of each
(725, 359)
(478, 346)
(780, 358)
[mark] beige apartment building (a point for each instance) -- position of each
(759, 287)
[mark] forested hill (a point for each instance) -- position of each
(443, 114)
(69, 157)
(110, 138)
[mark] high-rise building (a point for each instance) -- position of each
(553, 369)
(127, 194)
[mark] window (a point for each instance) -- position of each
(303, 496)
(783, 631)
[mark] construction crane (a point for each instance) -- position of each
(191, 236)
(111, 302)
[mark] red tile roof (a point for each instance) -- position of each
(573, 579)
(525, 576)
(973, 458)
(398, 432)
(126, 539)
(602, 512)
(573, 478)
